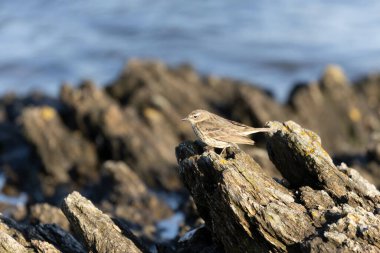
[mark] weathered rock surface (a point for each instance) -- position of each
(127, 197)
(36, 238)
(300, 157)
(248, 211)
(8, 244)
(124, 134)
(97, 230)
(64, 154)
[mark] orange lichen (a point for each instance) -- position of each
(47, 113)
(354, 114)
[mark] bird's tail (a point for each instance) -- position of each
(257, 130)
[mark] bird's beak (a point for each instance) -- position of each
(185, 119)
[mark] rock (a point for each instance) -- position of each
(127, 197)
(331, 208)
(15, 231)
(10, 245)
(64, 154)
(246, 210)
(333, 102)
(255, 107)
(356, 230)
(47, 214)
(141, 140)
(18, 169)
(13, 105)
(97, 230)
(145, 85)
(260, 155)
(63, 145)
(52, 238)
(38, 238)
(300, 157)
(333, 78)
(368, 88)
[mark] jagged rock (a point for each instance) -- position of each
(355, 230)
(64, 154)
(10, 245)
(52, 238)
(300, 157)
(38, 238)
(14, 230)
(246, 210)
(332, 208)
(141, 140)
(97, 230)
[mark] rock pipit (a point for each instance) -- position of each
(219, 132)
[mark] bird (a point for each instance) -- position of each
(219, 132)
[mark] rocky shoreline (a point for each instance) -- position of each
(100, 172)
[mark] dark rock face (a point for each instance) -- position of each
(116, 146)
(62, 152)
(124, 134)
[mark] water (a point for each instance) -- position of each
(271, 43)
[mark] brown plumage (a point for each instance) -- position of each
(219, 132)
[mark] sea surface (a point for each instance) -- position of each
(271, 43)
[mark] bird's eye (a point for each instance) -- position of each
(195, 116)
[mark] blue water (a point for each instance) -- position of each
(271, 43)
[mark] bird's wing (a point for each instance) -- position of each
(237, 124)
(238, 139)
(222, 132)
(222, 122)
